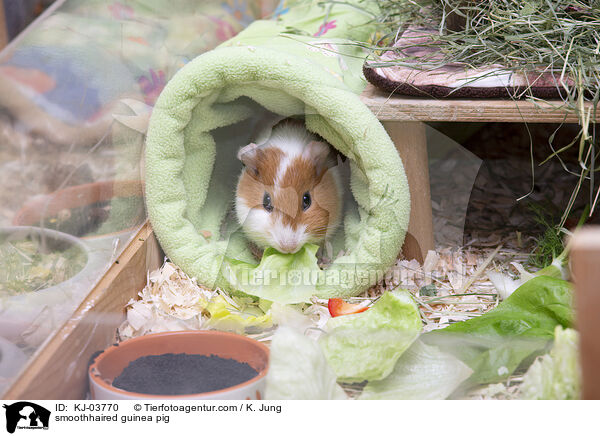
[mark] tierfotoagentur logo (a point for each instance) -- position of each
(24, 415)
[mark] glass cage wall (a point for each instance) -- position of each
(76, 91)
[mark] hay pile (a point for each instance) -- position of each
(532, 38)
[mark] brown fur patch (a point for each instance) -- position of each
(260, 176)
(327, 202)
(268, 163)
(302, 176)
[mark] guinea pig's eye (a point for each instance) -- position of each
(267, 202)
(306, 200)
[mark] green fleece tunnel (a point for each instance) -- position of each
(190, 167)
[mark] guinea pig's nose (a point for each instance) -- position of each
(288, 247)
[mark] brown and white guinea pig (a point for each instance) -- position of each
(289, 192)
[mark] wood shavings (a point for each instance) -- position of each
(457, 276)
(461, 290)
(431, 261)
(480, 269)
(170, 301)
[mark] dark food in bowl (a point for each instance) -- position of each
(182, 374)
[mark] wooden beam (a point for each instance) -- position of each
(59, 369)
(389, 107)
(585, 264)
(3, 27)
(411, 142)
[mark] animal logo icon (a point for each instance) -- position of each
(26, 415)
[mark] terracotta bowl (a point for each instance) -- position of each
(84, 195)
(108, 365)
(73, 197)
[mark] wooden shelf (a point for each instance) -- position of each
(398, 108)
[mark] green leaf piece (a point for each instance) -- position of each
(428, 291)
(495, 344)
(423, 372)
(366, 346)
(298, 370)
(556, 375)
(281, 278)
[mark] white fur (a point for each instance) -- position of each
(286, 239)
(292, 139)
(255, 221)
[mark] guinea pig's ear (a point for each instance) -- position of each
(318, 153)
(248, 155)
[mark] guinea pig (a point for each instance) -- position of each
(289, 192)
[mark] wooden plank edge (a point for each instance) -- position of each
(389, 107)
(3, 27)
(58, 370)
(585, 258)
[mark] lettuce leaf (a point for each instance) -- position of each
(226, 316)
(306, 319)
(283, 278)
(298, 370)
(506, 285)
(423, 372)
(495, 344)
(366, 346)
(556, 375)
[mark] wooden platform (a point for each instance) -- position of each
(403, 118)
(398, 108)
